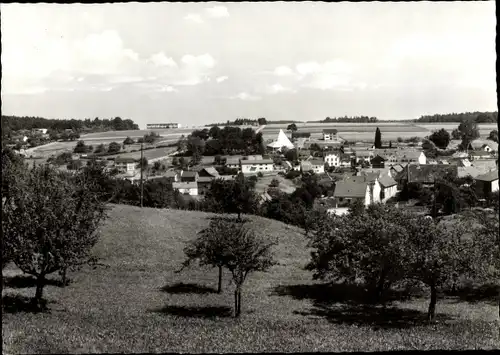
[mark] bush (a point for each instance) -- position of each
(292, 174)
(259, 174)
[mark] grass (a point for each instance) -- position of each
(286, 185)
(138, 303)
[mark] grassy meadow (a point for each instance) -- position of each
(138, 303)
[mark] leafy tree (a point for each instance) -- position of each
(437, 252)
(245, 252)
(456, 134)
(81, 147)
(233, 196)
(175, 161)
(400, 140)
(114, 147)
(61, 159)
(292, 155)
(51, 223)
(183, 163)
(493, 136)
(128, 140)
(378, 139)
(292, 127)
(74, 165)
(101, 148)
(440, 138)
(151, 137)
(195, 147)
(262, 121)
(214, 132)
(357, 207)
(469, 132)
(274, 183)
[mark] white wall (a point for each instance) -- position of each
(494, 186)
(422, 159)
(389, 192)
(332, 160)
(376, 191)
(247, 168)
(367, 196)
(192, 191)
(319, 169)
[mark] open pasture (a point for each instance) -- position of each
(138, 303)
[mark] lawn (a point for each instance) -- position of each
(286, 185)
(137, 303)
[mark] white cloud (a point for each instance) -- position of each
(217, 11)
(308, 68)
(220, 79)
(283, 71)
(276, 89)
(204, 60)
(245, 97)
(196, 18)
(160, 59)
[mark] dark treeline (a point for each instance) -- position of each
(241, 122)
(353, 119)
(478, 117)
(15, 123)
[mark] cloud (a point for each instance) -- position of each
(283, 71)
(160, 59)
(220, 79)
(217, 11)
(245, 97)
(204, 60)
(277, 89)
(196, 18)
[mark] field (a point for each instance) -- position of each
(139, 304)
(366, 131)
(286, 185)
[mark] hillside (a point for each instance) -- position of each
(137, 303)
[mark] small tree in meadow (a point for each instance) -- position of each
(128, 141)
(274, 183)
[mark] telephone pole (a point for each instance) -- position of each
(140, 166)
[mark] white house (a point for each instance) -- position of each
(40, 130)
(233, 162)
(487, 183)
(315, 165)
(389, 187)
(348, 191)
(256, 166)
(372, 180)
(125, 165)
(190, 188)
(330, 135)
(364, 155)
(332, 159)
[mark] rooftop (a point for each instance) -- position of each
(387, 181)
(429, 173)
(189, 173)
(330, 130)
(350, 189)
(257, 161)
(490, 176)
(124, 160)
(185, 185)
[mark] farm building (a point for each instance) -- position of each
(388, 187)
(315, 165)
(205, 178)
(125, 165)
(377, 162)
(253, 166)
(332, 158)
(190, 188)
(346, 192)
(372, 180)
(233, 162)
(480, 155)
(189, 176)
(487, 183)
(426, 174)
(162, 125)
(330, 135)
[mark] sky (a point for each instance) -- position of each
(197, 63)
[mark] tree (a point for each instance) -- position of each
(61, 159)
(183, 163)
(81, 147)
(51, 223)
(357, 207)
(74, 165)
(175, 161)
(493, 136)
(400, 140)
(182, 144)
(208, 248)
(101, 148)
(261, 121)
(196, 147)
(128, 140)
(233, 196)
(438, 252)
(440, 138)
(214, 132)
(291, 155)
(292, 127)
(114, 147)
(469, 132)
(274, 183)
(151, 137)
(378, 139)
(245, 252)
(456, 134)
(390, 144)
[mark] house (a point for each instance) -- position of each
(480, 154)
(330, 135)
(346, 192)
(364, 155)
(483, 145)
(189, 176)
(172, 175)
(332, 158)
(372, 180)
(345, 160)
(388, 155)
(125, 165)
(468, 171)
(304, 135)
(396, 169)
(190, 188)
(410, 156)
(486, 183)
(304, 154)
(205, 178)
(254, 166)
(233, 162)
(460, 162)
(426, 174)
(388, 187)
(39, 130)
(315, 165)
(377, 161)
